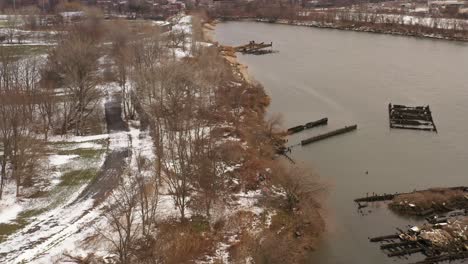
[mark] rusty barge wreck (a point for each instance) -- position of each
(255, 48)
(411, 117)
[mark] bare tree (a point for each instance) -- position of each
(76, 61)
(121, 215)
(148, 195)
(122, 54)
(18, 80)
(301, 187)
(12, 27)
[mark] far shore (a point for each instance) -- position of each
(352, 27)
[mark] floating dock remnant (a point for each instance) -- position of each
(328, 135)
(309, 125)
(255, 48)
(411, 117)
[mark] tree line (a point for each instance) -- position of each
(39, 97)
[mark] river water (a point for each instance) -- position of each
(350, 77)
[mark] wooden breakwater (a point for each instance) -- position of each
(387, 197)
(384, 238)
(297, 129)
(328, 135)
(376, 198)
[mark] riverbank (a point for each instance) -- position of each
(228, 55)
(295, 223)
(377, 28)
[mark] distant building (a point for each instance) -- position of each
(449, 6)
(69, 17)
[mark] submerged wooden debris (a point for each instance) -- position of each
(442, 237)
(309, 125)
(255, 48)
(437, 242)
(411, 117)
(375, 198)
(422, 203)
(328, 135)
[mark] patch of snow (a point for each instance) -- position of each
(204, 44)
(10, 206)
(167, 208)
(269, 218)
(48, 230)
(248, 201)
(57, 160)
(86, 145)
(179, 53)
(78, 138)
(119, 141)
(9, 213)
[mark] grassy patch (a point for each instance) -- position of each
(199, 224)
(21, 221)
(103, 142)
(86, 153)
(77, 177)
(25, 50)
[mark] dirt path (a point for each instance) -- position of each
(62, 227)
(107, 178)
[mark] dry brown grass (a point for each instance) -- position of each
(439, 199)
(182, 243)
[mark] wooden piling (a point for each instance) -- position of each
(383, 238)
(404, 252)
(398, 244)
(328, 135)
(309, 125)
(317, 123)
(375, 198)
(296, 129)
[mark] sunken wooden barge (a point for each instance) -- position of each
(255, 48)
(411, 117)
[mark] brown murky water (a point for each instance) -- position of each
(350, 77)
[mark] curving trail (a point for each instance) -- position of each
(61, 228)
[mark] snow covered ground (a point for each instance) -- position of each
(66, 220)
(53, 219)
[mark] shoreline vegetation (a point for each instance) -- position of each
(297, 223)
(397, 29)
